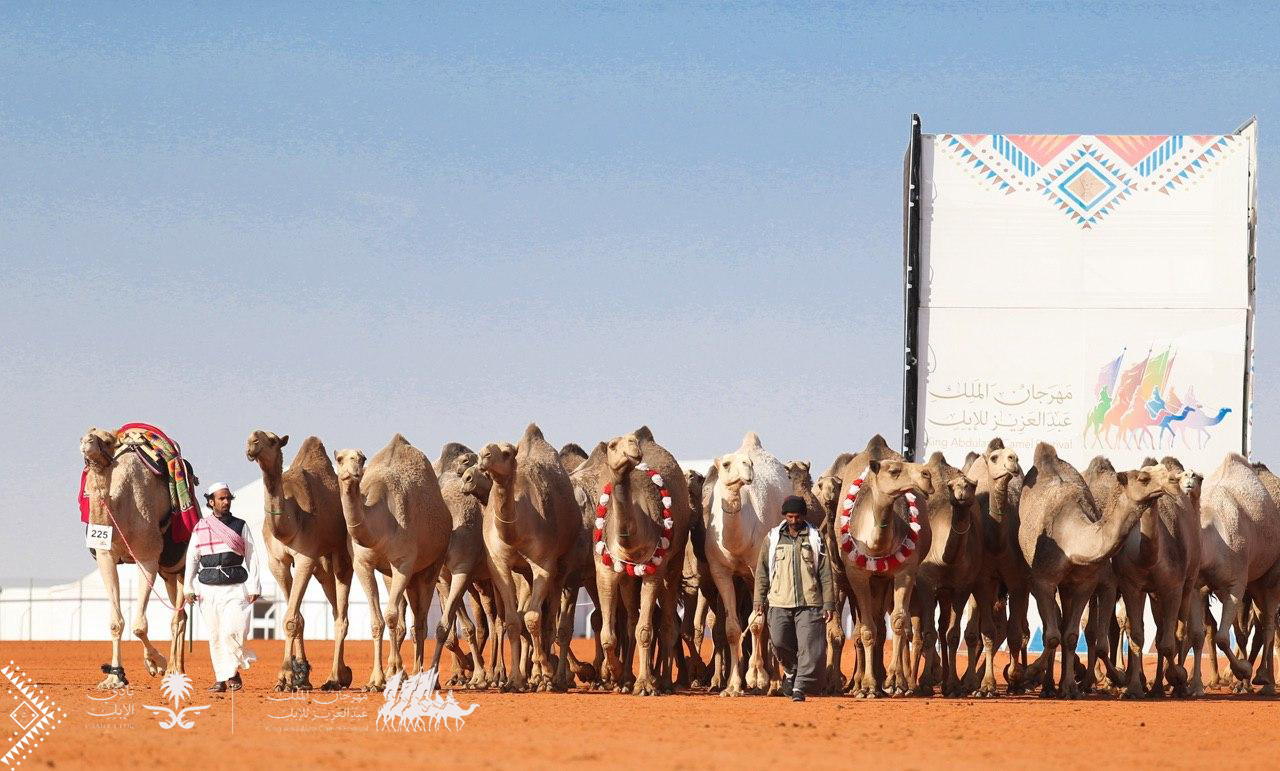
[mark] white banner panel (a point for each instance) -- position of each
(1088, 291)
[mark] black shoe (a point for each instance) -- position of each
(797, 695)
(234, 683)
(788, 685)
(218, 687)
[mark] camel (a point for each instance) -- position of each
(1160, 557)
(695, 583)
(572, 456)
(748, 486)
(466, 564)
(1239, 553)
(1200, 422)
(948, 574)
(1065, 538)
(998, 481)
(125, 494)
(399, 525)
(455, 458)
(304, 533)
(827, 491)
(880, 551)
(531, 522)
(644, 530)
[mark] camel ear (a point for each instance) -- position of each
(284, 440)
(1123, 478)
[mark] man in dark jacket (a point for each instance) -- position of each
(793, 578)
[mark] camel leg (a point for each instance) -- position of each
(1074, 602)
(1266, 631)
(1135, 601)
(646, 683)
(719, 650)
(757, 674)
(732, 627)
(924, 641)
(700, 610)
(178, 627)
(448, 615)
(561, 600)
(1016, 634)
(151, 658)
(1046, 598)
(538, 592)
(473, 660)
(377, 676)
(867, 633)
(336, 583)
(1167, 607)
(1231, 599)
(304, 568)
(280, 569)
(608, 589)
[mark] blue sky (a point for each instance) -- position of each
(351, 222)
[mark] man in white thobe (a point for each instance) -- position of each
(222, 573)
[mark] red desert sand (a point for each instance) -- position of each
(604, 729)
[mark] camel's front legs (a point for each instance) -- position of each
(866, 630)
(757, 674)
(281, 571)
(294, 624)
(1016, 635)
(365, 573)
(1047, 601)
(539, 588)
(337, 589)
(448, 614)
(1135, 601)
(111, 581)
(1231, 602)
(646, 684)
(1074, 603)
(901, 679)
(155, 663)
(732, 627)
(1167, 607)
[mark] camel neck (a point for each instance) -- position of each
(278, 519)
(97, 485)
(505, 515)
(1148, 535)
(354, 512)
(630, 533)
(873, 521)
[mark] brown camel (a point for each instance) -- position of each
(949, 573)
(455, 458)
(1239, 553)
(304, 533)
(572, 456)
(532, 522)
(997, 476)
(466, 567)
(124, 494)
(1065, 538)
(874, 555)
(1160, 557)
(640, 550)
(400, 526)
(695, 581)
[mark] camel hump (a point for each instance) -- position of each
(1258, 466)
(970, 458)
(1173, 464)
(398, 439)
(312, 452)
(1234, 459)
(995, 444)
(937, 459)
(752, 441)
(644, 434)
(1149, 461)
(876, 442)
(1100, 464)
(1046, 454)
(532, 432)
(573, 448)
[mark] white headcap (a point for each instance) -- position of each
(215, 487)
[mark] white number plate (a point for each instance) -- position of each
(98, 537)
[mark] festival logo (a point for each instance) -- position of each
(412, 704)
(112, 709)
(34, 714)
(176, 687)
(301, 711)
(1139, 407)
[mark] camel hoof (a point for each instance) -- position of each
(731, 692)
(1267, 690)
(331, 685)
(1241, 686)
(279, 686)
(110, 683)
(1048, 692)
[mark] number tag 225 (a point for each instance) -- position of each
(98, 537)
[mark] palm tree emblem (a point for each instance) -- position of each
(176, 687)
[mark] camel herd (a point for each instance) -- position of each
(933, 552)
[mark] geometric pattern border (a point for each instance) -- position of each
(35, 714)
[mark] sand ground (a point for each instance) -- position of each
(583, 728)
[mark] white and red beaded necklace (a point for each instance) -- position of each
(664, 541)
(861, 558)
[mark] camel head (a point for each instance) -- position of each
(827, 490)
(99, 447)
(1190, 482)
(694, 481)
(475, 483)
(461, 463)
(1001, 463)
(498, 460)
(350, 467)
(1145, 484)
(962, 491)
(734, 471)
(622, 454)
(265, 448)
(801, 478)
(894, 478)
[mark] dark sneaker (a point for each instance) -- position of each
(234, 682)
(797, 695)
(218, 687)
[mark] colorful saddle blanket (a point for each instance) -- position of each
(164, 457)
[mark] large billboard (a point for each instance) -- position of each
(1093, 291)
